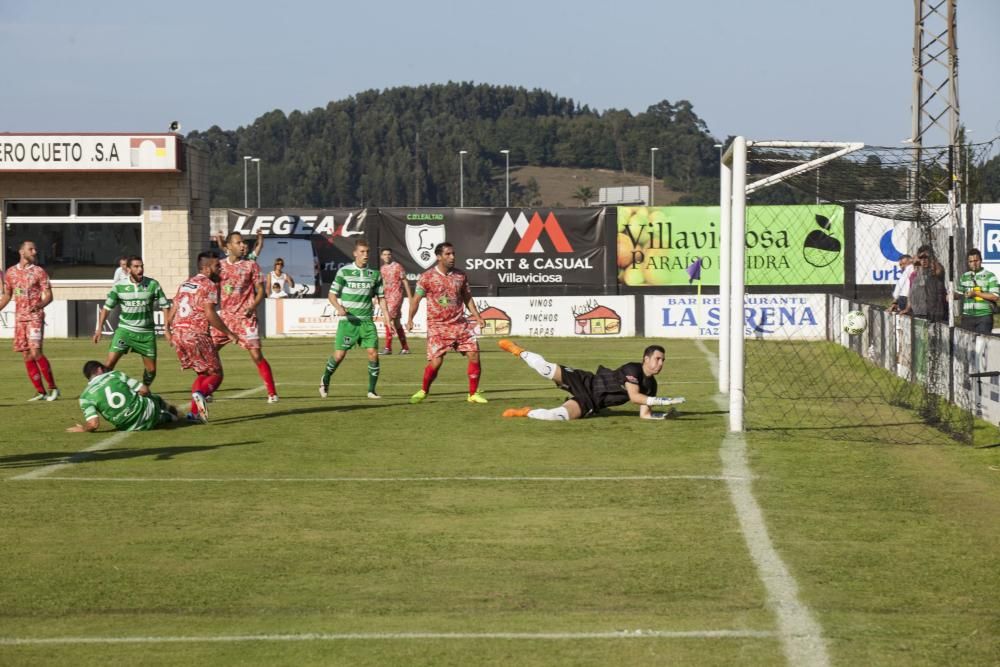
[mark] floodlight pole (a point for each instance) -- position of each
(506, 171)
(257, 160)
(461, 178)
(652, 172)
(246, 158)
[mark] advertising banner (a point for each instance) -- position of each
(989, 236)
(330, 234)
(502, 247)
(781, 316)
(89, 152)
(56, 320)
(878, 245)
(785, 245)
(577, 317)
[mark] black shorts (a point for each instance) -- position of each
(580, 386)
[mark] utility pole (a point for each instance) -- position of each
(935, 112)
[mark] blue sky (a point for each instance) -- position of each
(795, 69)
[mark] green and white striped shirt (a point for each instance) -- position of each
(138, 301)
(356, 287)
(983, 281)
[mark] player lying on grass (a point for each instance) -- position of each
(590, 392)
(123, 401)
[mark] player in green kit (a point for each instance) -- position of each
(138, 297)
(351, 294)
(124, 402)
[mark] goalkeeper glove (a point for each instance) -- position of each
(664, 400)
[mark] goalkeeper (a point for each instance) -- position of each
(590, 392)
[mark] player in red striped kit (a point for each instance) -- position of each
(394, 283)
(242, 291)
(187, 328)
(28, 284)
(448, 328)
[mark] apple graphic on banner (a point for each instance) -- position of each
(820, 249)
(888, 248)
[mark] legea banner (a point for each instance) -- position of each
(785, 245)
(331, 232)
(780, 316)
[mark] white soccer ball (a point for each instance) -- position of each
(855, 322)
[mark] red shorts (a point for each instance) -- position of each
(394, 307)
(197, 352)
(245, 329)
(28, 335)
(444, 338)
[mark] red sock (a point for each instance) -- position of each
(473, 371)
(264, 369)
(43, 366)
(429, 374)
(210, 383)
(401, 332)
(388, 338)
(34, 375)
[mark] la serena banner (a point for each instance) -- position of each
(785, 245)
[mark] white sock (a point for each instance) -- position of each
(559, 414)
(537, 362)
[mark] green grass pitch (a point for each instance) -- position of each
(354, 531)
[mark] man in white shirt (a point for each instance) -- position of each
(901, 292)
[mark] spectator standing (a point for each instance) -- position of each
(927, 291)
(901, 293)
(979, 292)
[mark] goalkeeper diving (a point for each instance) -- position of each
(634, 382)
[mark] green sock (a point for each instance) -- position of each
(331, 366)
(148, 377)
(372, 375)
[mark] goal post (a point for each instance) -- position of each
(811, 232)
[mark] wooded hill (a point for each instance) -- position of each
(399, 147)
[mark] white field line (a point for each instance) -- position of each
(107, 443)
(486, 389)
(338, 480)
(75, 458)
(801, 635)
(383, 636)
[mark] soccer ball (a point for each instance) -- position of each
(855, 322)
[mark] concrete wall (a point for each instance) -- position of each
(170, 243)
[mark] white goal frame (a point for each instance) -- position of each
(733, 191)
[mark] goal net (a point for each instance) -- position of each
(835, 228)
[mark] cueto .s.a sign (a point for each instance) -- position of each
(89, 152)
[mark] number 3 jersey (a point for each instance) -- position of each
(112, 395)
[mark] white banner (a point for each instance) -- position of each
(878, 245)
(56, 320)
(800, 316)
(88, 152)
(582, 317)
(988, 236)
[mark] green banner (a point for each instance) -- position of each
(785, 245)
